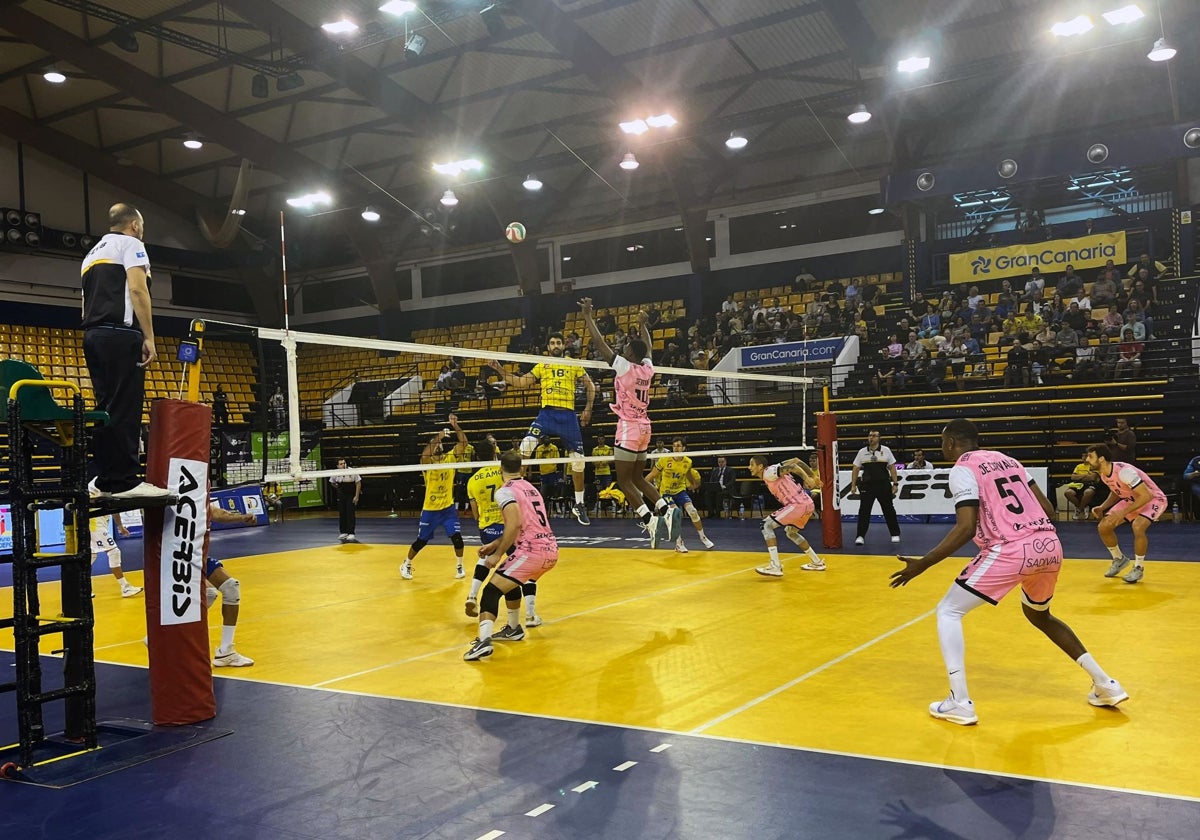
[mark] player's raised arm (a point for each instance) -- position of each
(598, 343)
(644, 328)
(585, 416)
(526, 380)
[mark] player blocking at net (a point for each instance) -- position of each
(634, 370)
(527, 528)
(439, 508)
(797, 509)
(557, 415)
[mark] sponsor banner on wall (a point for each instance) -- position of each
(1051, 256)
(181, 557)
(922, 493)
(819, 351)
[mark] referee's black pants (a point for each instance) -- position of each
(867, 496)
(346, 512)
(113, 356)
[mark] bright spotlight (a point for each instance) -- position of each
(661, 121)
(398, 7)
(307, 202)
(1125, 14)
(532, 183)
(913, 64)
(449, 199)
(193, 142)
(1161, 51)
(54, 77)
(370, 214)
(340, 27)
(736, 141)
(629, 162)
(635, 127)
(859, 115)
(1074, 26)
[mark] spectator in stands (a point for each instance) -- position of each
(931, 322)
(1105, 358)
(795, 329)
(730, 305)
(1189, 488)
(1053, 312)
(1016, 372)
(278, 406)
(957, 356)
(975, 299)
(826, 327)
(1140, 293)
(869, 292)
(1122, 440)
(1085, 362)
(718, 488)
(1034, 287)
(1129, 355)
(917, 310)
(220, 406)
(1070, 285)
(1030, 321)
(1040, 358)
(1105, 289)
(1132, 322)
(851, 293)
(1089, 227)
(1081, 489)
(607, 323)
(814, 308)
(1153, 268)
(1004, 306)
(1147, 283)
(803, 281)
(573, 344)
(1075, 318)
(915, 348)
(737, 325)
(1112, 323)
(762, 328)
(938, 365)
(1011, 329)
(978, 328)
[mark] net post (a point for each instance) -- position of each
(831, 507)
(293, 387)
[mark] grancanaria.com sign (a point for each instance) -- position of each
(1051, 256)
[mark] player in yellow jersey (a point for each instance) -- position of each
(481, 490)
(676, 478)
(557, 416)
(603, 468)
(439, 499)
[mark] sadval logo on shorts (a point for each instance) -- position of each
(184, 526)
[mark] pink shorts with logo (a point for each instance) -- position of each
(1152, 510)
(632, 435)
(526, 567)
(796, 514)
(1033, 564)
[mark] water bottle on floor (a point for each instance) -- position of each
(742, 511)
(1175, 514)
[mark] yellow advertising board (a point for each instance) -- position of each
(1051, 256)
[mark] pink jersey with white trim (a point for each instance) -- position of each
(782, 487)
(535, 537)
(999, 483)
(632, 388)
(1124, 477)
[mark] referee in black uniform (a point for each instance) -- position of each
(878, 481)
(118, 344)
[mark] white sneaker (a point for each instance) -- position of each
(351, 538)
(406, 570)
(533, 620)
(143, 491)
(1107, 695)
(680, 548)
(231, 659)
(130, 591)
(954, 711)
(342, 537)
(770, 570)
(459, 574)
(814, 567)
(896, 539)
(706, 542)
(859, 541)
(471, 608)
(94, 491)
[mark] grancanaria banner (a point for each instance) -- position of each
(1051, 256)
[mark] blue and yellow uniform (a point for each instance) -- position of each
(603, 468)
(482, 488)
(557, 416)
(439, 500)
(674, 475)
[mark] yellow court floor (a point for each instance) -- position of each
(700, 644)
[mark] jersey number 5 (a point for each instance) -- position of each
(1007, 493)
(541, 514)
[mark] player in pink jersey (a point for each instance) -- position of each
(527, 530)
(795, 513)
(1135, 499)
(1011, 520)
(634, 370)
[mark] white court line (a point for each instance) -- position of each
(586, 786)
(826, 666)
(491, 835)
(660, 748)
(621, 768)
(636, 598)
(539, 810)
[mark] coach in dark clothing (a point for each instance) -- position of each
(874, 473)
(718, 488)
(118, 344)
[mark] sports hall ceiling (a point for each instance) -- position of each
(542, 92)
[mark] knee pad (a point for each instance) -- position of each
(768, 528)
(114, 558)
(692, 513)
(418, 545)
(456, 541)
(528, 444)
(793, 533)
(210, 594)
(231, 593)
(529, 589)
(578, 465)
(489, 599)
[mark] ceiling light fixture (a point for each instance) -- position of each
(193, 142)
(859, 115)
(415, 45)
(449, 199)
(1075, 26)
(635, 127)
(54, 76)
(913, 64)
(1161, 51)
(370, 214)
(305, 202)
(736, 141)
(629, 162)
(875, 211)
(398, 7)
(238, 212)
(1125, 14)
(532, 183)
(340, 27)
(661, 121)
